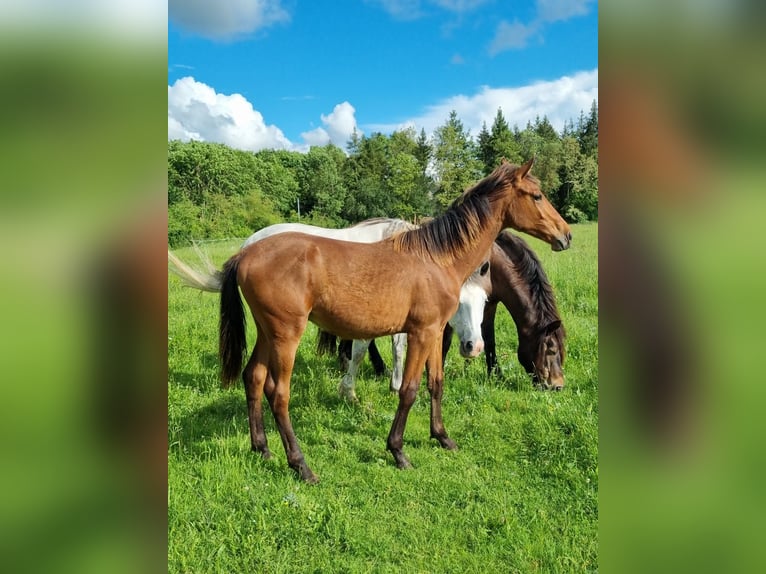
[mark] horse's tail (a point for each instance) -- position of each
(326, 343)
(204, 280)
(231, 340)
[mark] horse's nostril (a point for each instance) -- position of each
(469, 346)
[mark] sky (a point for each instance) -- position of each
(289, 74)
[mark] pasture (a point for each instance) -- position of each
(520, 494)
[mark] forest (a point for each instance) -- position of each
(217, 192)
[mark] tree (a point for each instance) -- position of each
(322, 191)
(503, 143)
(455, 161)
(544, 129)
(587, 131)
(365, 176)
(484, 143)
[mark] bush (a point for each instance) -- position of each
(574, 215)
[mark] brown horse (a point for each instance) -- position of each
(293, 278)
(520, 284)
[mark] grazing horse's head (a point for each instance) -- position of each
(529, 210)
(542, 356)
(467, 320)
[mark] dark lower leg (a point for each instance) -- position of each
(376, 359)
(395, 441)
(436, 389)
(488, 334)
(254, 378)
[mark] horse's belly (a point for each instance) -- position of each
(350, 324)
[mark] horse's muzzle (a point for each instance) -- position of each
(471, 349)
(563, 242)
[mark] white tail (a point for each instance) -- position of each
(204, 280)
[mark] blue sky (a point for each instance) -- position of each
(287, 74)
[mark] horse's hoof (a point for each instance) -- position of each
(402, 461)
(447, 443)
(311, 478)
(348, 394)
(306, 474)
(263, 451)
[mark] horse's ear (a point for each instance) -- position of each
(484, 269)
(522, 172)
(551, 327)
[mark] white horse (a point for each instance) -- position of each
(467, 319)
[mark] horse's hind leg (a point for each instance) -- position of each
(254, 378)
(398, 350)
(346, 387)
(281, 363)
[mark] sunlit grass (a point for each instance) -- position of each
(519, 495)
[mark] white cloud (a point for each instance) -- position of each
(196, 111)
(560, 100)
(514, 36)
(412, 9)
(555, 10)
(459, 6)
(401, 9)
(226, 19)
(338, 127)
(511, 36)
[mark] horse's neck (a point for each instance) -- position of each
(467, 264)
(513, 291)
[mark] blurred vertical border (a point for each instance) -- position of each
(681, 285)
(83, 143)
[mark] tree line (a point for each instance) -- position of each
(215, 191)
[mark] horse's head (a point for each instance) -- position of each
(542, 355)
(530, 211)
(467, 320)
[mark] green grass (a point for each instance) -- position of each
(520, 494)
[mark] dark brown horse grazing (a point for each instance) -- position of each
(520, 284)
(293, 278)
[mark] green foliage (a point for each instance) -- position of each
(215, 191)
(520, 495)
(574, 215)
(455, 161)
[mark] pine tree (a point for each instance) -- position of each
(486, 154)
(503, 142)
(455, 160)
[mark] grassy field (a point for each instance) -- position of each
(520, 494)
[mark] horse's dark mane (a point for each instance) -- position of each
(533, 275)
(450, 235)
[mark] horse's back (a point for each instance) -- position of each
(368, 231)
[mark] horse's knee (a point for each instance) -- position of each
(407, 394)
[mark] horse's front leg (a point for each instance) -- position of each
(446, 342)
(347, 384)
(435, 374)
(488, 334)
(418, 348)
(377, 361)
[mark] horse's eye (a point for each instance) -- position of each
(538, 196)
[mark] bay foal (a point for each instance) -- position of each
(408, 283)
